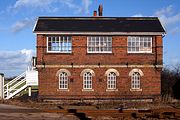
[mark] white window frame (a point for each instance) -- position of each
(139, 43)
(60, 41)
(136, 81)
(63, 80)
(87, 80)
(106, 41)
(111, 80)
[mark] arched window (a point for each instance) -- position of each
(135, 80)
(111, 75)
(135, 75)
(87, 80)
(63, 80)
(111, 80)
(63, 75)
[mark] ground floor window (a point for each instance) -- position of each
(111, 75)
(63, 80)
(135, 80)
(111, 80)
(136, 75)
(87, 80)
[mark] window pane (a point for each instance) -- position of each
(135, 81)
(145, 44)
(99, 44)
(139, 44)
(63, 80)
(129, 44)
(111, 80)
(87, 80)
(59, 44)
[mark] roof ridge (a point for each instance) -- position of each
(101, 18)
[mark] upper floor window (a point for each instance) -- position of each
(60, 44)
(139, 44)
(99, 44)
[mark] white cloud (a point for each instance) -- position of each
(167, 16)
(168, 11)
(43, 5)
(174, 19)
(20, 25)
(51, 5)
(31, 3)
(28, 54)
(70, 4)
(137, 15)
(86, 4)
(13, 62)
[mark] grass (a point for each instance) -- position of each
(34, 89)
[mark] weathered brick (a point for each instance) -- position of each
(48, 81)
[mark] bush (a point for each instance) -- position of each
(170, 78)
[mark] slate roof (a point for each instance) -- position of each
(98, 24)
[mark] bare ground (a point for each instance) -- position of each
(35, 110)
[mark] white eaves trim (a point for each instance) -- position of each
(35, 24)
(99, 33)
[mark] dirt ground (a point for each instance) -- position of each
(36, 116)
(34, 110)
(12, 112)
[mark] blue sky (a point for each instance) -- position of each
(17, 19)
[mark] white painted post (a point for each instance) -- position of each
(1, 85)
(29, 91)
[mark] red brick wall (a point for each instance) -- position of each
(48, 81)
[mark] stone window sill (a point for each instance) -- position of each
(63, 90)
(87, 90)
(135, 90)
(111, 90)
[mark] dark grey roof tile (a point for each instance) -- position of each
(99, 24)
